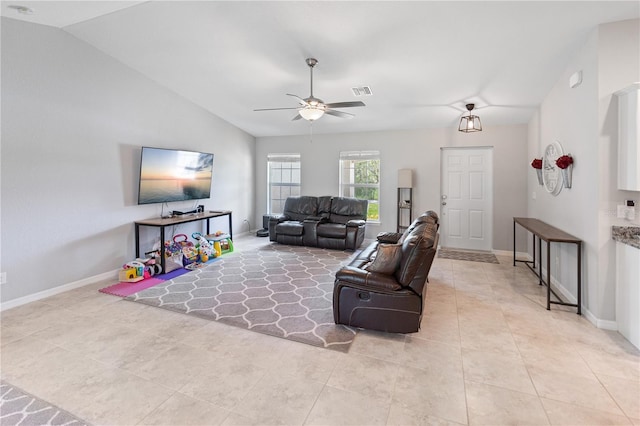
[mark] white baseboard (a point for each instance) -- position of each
(57, 290)
(599, 323)
(570, 298)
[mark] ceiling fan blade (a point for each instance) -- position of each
(302, 101)
(346, 104)
(273, 109)
(339, 113)
(297, 117)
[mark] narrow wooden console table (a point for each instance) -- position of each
(550, 234)
(162, 223)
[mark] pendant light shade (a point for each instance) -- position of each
(470, 123)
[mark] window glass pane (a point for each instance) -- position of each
(286, 175)
(283, 179)
(360, 178)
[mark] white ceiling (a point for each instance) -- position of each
(423, 59)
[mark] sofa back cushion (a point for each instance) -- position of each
(299, 208)
(428, 217)
(344, 209)
(387, 259)
(417, 249)
(324, 206)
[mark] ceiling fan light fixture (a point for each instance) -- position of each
(312, 108)
(470, 123)
(310, 113)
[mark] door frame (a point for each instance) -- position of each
(443, 217)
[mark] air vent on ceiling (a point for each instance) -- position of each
(362, 91)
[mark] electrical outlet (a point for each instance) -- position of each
(533, 196)
(3, 278)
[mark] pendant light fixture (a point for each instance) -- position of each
(470, 123)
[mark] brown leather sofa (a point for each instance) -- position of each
(327, 222)
(380, 291)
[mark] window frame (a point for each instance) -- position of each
(360, 156)
(282, 158)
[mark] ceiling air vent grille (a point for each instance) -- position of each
(362, 91)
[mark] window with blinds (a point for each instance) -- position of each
(283, 180)
(360, 178)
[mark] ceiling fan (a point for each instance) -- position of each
(312, 108)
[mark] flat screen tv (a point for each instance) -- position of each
(174, 175)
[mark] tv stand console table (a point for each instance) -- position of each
(550, 234)
(162, 223)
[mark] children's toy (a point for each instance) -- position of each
(182, 240)
(205, 248)
(221, 243)
(151, 266)
(190, 255)
(132, 272)
(129, 275)
(138, 266)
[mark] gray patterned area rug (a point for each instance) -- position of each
(468, 255)
(18, 407)
(280, 290)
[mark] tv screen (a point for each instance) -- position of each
(174, 175)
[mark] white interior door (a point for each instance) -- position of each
(466, 196)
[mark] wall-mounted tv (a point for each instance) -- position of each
(174, 175)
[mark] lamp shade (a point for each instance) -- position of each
(405, 178)
(311, 113)
(470, 123)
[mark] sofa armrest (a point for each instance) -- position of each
(365, 280)
(356, 222)
(389, 237)
(273, 221)
(279, 218)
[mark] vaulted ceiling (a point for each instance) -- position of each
(423, 60)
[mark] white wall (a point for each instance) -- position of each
(410, 149)
(584, 120)
(73, 122)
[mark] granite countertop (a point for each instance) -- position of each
(629, 235)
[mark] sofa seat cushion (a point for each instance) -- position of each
(331, 230)
(290, 228)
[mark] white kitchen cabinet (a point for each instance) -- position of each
(628, 292)
(629, 138)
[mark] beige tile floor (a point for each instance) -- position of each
(488, 353)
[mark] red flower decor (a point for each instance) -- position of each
(536, 163)
(564, 161)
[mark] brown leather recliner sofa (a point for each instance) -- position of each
(326, 222)
(383, 288)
